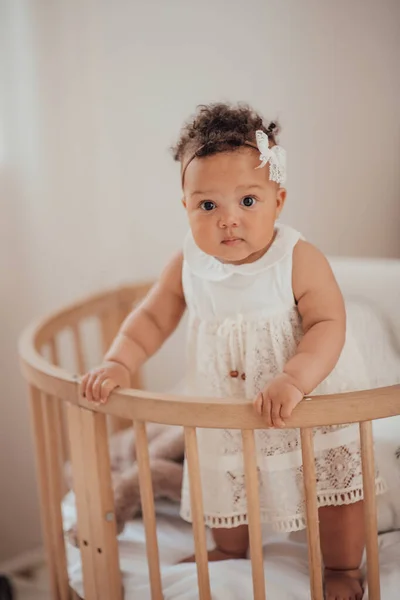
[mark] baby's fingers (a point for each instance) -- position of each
(276, 415)
(89, 386)
(258, 404)
(287, 409)
(107, 386)
(92, 386)
(96, 388)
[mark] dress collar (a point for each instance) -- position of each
(207, 267)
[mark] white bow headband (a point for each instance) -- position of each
(276, 156)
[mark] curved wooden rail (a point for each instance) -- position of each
(335, 409)
(51, 384)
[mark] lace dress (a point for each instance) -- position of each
(243, 328)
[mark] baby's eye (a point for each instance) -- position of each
(207, 205)
(248, 201)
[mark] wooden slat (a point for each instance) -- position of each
(78, 350)
(196, 501)
(60, 424)
(253, 514)
(54, 357)
(49, 407)
(101, 501)
(371, 526)
(147, 500)
(82, 500)
(50, 380)
(75, 313)
(310, 490)
(60, 420)
(44, 493)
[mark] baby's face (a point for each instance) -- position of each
(231, 205)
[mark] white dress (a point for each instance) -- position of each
(243, 327)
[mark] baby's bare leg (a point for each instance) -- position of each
(229, 544)
(342, 546)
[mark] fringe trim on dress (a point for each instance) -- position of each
(288, 524)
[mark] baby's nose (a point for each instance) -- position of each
(229, 219)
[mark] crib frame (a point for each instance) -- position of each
(65, 424)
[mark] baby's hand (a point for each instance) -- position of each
(98, 384)
(277, 401)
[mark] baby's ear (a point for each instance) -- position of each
(280, 200)
(184, 202)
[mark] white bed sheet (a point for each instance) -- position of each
(286, 566)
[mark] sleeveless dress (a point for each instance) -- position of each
(243, 327)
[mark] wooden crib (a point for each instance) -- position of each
(66, 425)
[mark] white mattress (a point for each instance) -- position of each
(286, 566)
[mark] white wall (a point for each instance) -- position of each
(94, 93)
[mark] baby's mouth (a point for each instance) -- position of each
(232, 241)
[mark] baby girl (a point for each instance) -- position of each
(267, 323)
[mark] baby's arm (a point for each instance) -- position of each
(143, 332)
(321, 307)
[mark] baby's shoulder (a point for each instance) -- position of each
(312, 272)
(307, 257)
(171, 276)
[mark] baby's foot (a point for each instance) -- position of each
(343, 585)
(217, 555)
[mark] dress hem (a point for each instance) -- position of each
(291, 523)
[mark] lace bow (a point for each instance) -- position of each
(276, 156)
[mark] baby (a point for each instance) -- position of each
(267, 323)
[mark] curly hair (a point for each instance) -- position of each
(221, 127)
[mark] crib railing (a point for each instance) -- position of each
(67, 426)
